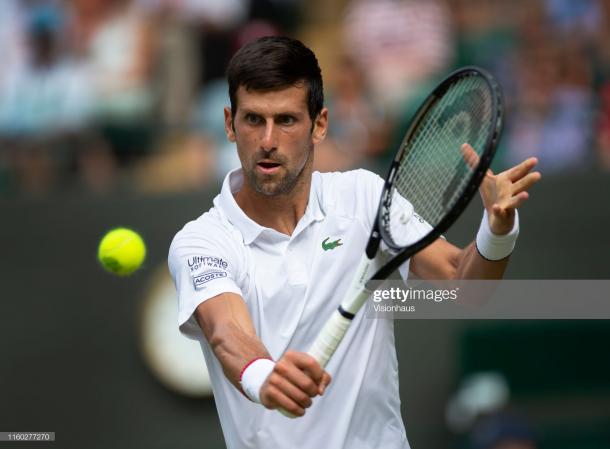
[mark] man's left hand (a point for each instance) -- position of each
(504, 192)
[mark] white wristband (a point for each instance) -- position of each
(496, 247)
(254, 376)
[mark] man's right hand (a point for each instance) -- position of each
(296, 378)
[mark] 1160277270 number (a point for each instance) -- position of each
(27, 436)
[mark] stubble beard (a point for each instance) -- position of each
(280, 184)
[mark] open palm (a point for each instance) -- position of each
(504, 192)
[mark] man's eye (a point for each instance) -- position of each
(252, 119)
(286, 120)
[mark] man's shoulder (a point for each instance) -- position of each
(349, 193)
(350, 178)
(210, 228)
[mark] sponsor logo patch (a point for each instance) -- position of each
(197, 263)
(200, 280)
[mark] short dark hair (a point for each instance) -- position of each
(271, 63)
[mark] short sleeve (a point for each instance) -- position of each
(203, 265)
(369, 186)
(404, 218)
(412, 226)
(417, 228)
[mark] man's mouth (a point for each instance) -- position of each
(268, 167)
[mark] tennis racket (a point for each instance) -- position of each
(430, 175)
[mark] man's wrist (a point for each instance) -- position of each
(496, 247)
(253, 376)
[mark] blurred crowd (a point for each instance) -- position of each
(107, 95)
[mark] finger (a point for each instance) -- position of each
(518, 171)
(308, 364)
(275, 398)
(526, 182)
(470, 155)
(289, 390)
(325, 382)
(297, 377)
(512, 203)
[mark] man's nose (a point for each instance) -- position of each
(269, 138)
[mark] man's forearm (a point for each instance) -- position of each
(227, 327)
(487, 257)
(288, 383)
(472, 265)
(235, 348)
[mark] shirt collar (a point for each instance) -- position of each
(250, 229)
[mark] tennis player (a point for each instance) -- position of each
(260, 272)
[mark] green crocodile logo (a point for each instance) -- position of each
(331, 245)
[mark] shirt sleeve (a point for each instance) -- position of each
(411, 226)
(404, 218)
(202, 266)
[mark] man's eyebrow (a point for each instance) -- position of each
(246, 110)
(289, 113)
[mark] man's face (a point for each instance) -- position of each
(275, 137)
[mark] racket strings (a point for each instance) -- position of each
(433, 172)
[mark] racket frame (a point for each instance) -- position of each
(491, 143)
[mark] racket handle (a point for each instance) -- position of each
(334, 330)
(329, 338)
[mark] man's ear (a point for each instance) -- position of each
(229, 129)
(320, 126)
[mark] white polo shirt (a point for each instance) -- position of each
(291, 285)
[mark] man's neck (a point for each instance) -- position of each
(281, 212)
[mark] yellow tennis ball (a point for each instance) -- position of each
(121, 251)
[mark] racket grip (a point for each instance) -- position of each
(329, 338)
(334, 330)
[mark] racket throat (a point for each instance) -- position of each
(373, 245)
